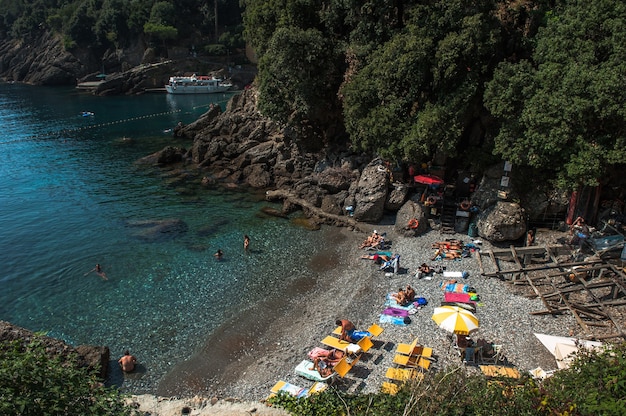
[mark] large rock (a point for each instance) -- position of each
(397, 196)
(410, 212)
(504, 221)
(158, 230)
(93, 357)
(165, 156)
(43, 61)
(371, 193)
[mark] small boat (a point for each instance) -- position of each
(88, 113)
(202, 84)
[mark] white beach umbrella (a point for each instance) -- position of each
(456, 320)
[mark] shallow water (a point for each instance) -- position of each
(71, 196)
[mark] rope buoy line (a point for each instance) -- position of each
(92, 126)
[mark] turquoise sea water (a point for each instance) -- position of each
(70, 193)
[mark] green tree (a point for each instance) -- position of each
(160, 31)
(298, 75)
(32, 383)
(566, 108)
(420, 90)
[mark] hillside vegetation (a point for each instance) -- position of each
(470, 82)
(540, 83)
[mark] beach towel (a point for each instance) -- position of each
(458, 297)
(395, 320)
(318, 352)
(392, 303)
(449, 274)
(453, 286)
(304, 370)
(359, 335)
(396, 312)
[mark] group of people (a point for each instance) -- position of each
(324, 361)
(404, 296)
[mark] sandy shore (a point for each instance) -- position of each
(264, 348)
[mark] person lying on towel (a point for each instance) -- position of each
(322, 366)
(404, 297)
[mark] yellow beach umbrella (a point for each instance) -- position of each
(456, 320)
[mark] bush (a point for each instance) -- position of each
(32, 382)
(215, 50)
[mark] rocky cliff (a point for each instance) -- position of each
(329, 182)
(41, 61)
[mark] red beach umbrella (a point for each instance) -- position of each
(428, 179)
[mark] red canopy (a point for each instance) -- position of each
(428, 179)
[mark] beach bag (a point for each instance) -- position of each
(421, 301)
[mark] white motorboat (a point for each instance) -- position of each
(194, 84)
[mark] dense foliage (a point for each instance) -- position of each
(103, 24)
(595, 384)
(538, 82)
(566, 107)
(34, 383)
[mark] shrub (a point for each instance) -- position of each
(32, 382)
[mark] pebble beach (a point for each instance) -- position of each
(353, 288)
(356, 289)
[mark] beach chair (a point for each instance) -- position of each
(495, 357)
(403, 374)
(375, 330)
(407, 349)
(412, 361)
(296, 391)
(344, 346)
(343, 367)
(392, 265)
(500, 371)
(389, 388)
(470, 355)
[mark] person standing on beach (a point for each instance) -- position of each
(99, 272)
(127, 362)
(246, 242)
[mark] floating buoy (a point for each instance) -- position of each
(413, 223)
(465, 205)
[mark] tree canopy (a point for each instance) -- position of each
(566, 107)
(540, 83)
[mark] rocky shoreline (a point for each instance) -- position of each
(355, 288)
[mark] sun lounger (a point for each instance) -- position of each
(417, 351)
(411, 361)
(344, 346)
(365, 343)
(297, 391)
(389, 388)
(304, 369)
(403, 374)
(374, 329)
(344, 366)
(407, 349)
(500, 371)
